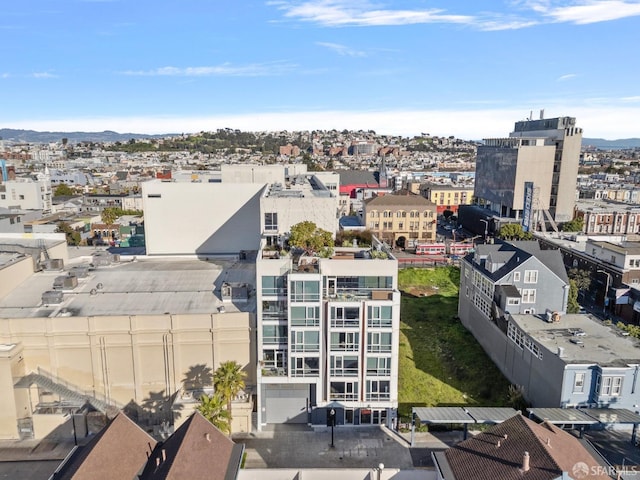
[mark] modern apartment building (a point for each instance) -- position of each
(327, 336)
(403, 219)
(545, 152)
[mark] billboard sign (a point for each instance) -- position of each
(527, 211)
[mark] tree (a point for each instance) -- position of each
(73, 237)
(309, 237)
(214, 408)
(109, 215)
(447, 214)
(228, 380)
(513, 231)
(572, 302)
(575, 225)
(63, 190)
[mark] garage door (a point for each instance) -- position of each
(286, 403)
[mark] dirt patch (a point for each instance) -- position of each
(421, 291)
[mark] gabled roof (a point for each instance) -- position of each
(498, 454)
(513, 254)
(196, 450)
(119, 450)
(358, 177)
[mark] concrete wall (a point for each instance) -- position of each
(535, 164)
(201, 218)
(320, 210)
(253, 173)
(141, 359)
(14, 273)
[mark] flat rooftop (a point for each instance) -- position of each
(298, 186)
(583, 340)
(144, 286)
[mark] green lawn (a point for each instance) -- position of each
(440, 361)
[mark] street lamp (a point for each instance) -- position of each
(606, 290)
(486, 228)
(380, 469)
(332, 421)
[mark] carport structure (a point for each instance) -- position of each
(459, 416)
(582, 417)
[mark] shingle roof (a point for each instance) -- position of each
(358, 177)
(196, 450)
(498, 453)
(119, 450)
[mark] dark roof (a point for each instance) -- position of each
(399, 200)
(196, 450)
(515, 253)
(498, 452)
(119, 450)
(358, 177)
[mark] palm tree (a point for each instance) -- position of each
(214, 409)
(228, 379)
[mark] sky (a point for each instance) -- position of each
(465, 68)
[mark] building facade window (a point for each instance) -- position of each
(578, 382)
(609, 386)
(530, 276)
(271, 222)
(528, 295)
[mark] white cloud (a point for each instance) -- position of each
(342, 49)
(610, 121)
(340, 13)
(336, 13)
(224, 70)
(568, 76)
(43, 75)
(592, 11)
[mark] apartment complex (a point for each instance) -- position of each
(403, 219)
(545, 152)
(447, 197)
(606, 217)
(327, 336)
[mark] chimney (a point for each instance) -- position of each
(548, 442)
(525, 462)
(208, 437)
(498, 444)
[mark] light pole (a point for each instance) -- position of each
(380, 469)
(606, 290)
(486, 228)
(332, 420)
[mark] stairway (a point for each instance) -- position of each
(70, 394)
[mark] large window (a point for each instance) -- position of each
(305, 316)
(528, 295)
(343, 391)
(272, 285)
(359, 283)
(379, 366)
(345, 316)
(305, 291)
(609, 386)
(379, 316)
(344, 366)
(274, 334)
(530, 276)
(345, 341)
(305, 367)
(274, 309)
(305, 341)
(270, 222)
(378, 342)
(378, 390)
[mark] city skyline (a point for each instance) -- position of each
(399, 68)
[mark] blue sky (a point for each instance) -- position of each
(464, 68)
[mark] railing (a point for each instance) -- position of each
(75, 388)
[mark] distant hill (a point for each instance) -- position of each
(31, 136)
(611, 144)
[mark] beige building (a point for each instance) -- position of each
(141, 334)
(402, 220)
(446, 197)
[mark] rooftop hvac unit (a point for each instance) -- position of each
(65, 282)
(53, 264)
(52, 297)
(80, 271)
